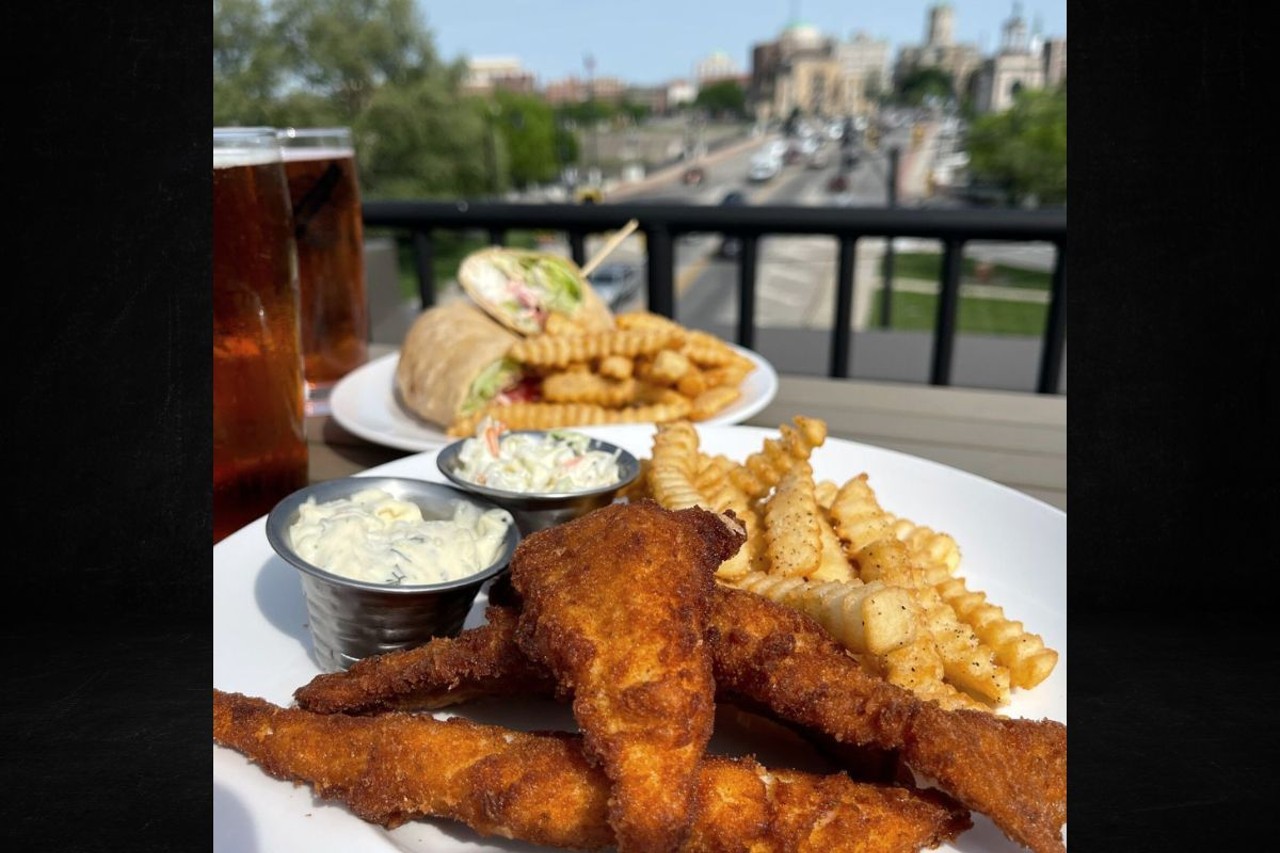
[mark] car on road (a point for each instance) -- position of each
(616, 282)
(731, 246)
(838, 183)
(694, 176)
(763, 169)
(819, 159)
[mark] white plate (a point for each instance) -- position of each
(1014, 549)
(364, 403)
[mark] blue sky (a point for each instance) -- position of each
(650, 41)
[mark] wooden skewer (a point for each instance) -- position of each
(613, 242)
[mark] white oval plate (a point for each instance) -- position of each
(364, 403)
(1013, 548)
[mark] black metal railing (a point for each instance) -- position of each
(661, 224)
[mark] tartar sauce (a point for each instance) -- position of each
(374, 537)
(557, 461)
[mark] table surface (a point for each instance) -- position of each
(1017, 439)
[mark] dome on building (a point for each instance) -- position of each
(800, 34)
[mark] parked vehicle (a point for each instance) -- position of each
(819, 159)
(838, 183)
(616, 282)
(731, 247)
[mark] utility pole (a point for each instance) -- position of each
(589, 62)
(886, 298)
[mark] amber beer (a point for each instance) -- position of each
(259, 445)
(329, 231)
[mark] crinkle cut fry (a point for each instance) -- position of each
(396, 767)
(1012, 770)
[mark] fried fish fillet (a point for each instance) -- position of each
(615, 607)
(1012, 770)
(395, 767)
(480, 662)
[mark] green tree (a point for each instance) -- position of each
(527, 127)
(367, 64)
(1024, 149)
(635, 112)
(921, 83)
(723, 98)
(345, 51)
(586, 113)
(247, 67)
(423, 141)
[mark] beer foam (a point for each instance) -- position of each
(226, 158)
(330, 152)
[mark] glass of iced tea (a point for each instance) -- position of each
(329, 230)
(259, 443)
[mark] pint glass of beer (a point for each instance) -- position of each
(259, 444)
(329, 231)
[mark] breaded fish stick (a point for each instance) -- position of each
(615, 607)
(395, 767)
(1012, 770)
(480, 662)
(778, 660)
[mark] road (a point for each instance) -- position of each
(796, 274)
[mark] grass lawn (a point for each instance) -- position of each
(916, 312)
(928, 266)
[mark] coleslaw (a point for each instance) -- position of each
(556, 461)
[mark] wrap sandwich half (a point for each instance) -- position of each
(454, 361)
(521, 288)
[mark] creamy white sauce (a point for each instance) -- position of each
(556, 461)
(374, 537)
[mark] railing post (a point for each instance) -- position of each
(944, 327)
(661, 263)
(497, 237)
(1055, 329)
(578, 247)
(748, 255)
(424, 250)
(841, 342)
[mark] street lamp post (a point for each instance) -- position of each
(589, 62)
(492, 148)
(886, 299)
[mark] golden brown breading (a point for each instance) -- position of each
(1012, 770)
(483, 661)
(615, 606)
(776, 659)
(395, 767)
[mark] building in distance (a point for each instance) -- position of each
(718, 66)
(807, 73)
(940, 50)
(1025, 61)
(575, 90)
(486, 75)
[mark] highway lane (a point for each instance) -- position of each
(795, 283)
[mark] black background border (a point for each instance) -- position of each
(1172, 442)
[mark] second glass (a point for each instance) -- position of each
(329, 230)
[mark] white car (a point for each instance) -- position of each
(764, 169)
